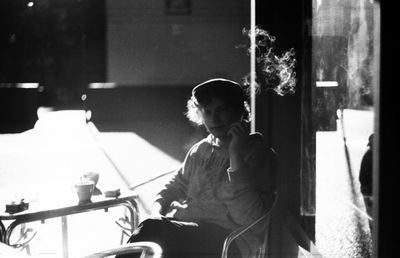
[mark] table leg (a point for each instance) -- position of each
(64, 231)
(132, 220)
(9, 230)
(134, 211)
(24, 232)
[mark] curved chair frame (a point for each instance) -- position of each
(266, 219)
(147, 249)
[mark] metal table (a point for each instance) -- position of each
(40, 212)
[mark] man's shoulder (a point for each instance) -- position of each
(201, 144)
(208, 140)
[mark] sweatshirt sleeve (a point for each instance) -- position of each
(249, 190)
(176, 189)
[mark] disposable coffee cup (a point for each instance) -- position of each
(84, 191)
(92, 176)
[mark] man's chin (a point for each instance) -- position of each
(218, 133)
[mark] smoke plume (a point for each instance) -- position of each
(273, 71)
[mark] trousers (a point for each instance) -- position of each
(179, 239)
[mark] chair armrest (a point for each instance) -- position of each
(148, 249)
(238, 232)
(241, 230)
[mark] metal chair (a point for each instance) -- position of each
(146, 249)
(264, 221)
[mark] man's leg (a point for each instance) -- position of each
(181, 239)
(170, 235)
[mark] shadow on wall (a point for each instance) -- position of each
(155, 113)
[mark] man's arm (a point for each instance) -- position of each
(176, 189)
(250, 188)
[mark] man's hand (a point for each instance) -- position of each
(175, 206)
(238, 134)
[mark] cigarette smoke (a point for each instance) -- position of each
(273, 72)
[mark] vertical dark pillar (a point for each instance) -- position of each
(279, 117)
(388, 137)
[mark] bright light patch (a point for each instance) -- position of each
(327, 83)
(102, 85)
(28, 85)
(338, 198)
(30, 4)
(88, 115)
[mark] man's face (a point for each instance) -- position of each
(218, 117)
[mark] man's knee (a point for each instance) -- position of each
(151, 223)
(146, 230)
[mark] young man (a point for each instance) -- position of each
(226, 180)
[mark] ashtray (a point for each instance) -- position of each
(17, 207)
(112, 193)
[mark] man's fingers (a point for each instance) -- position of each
(239, 129)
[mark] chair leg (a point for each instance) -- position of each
(124, 230)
